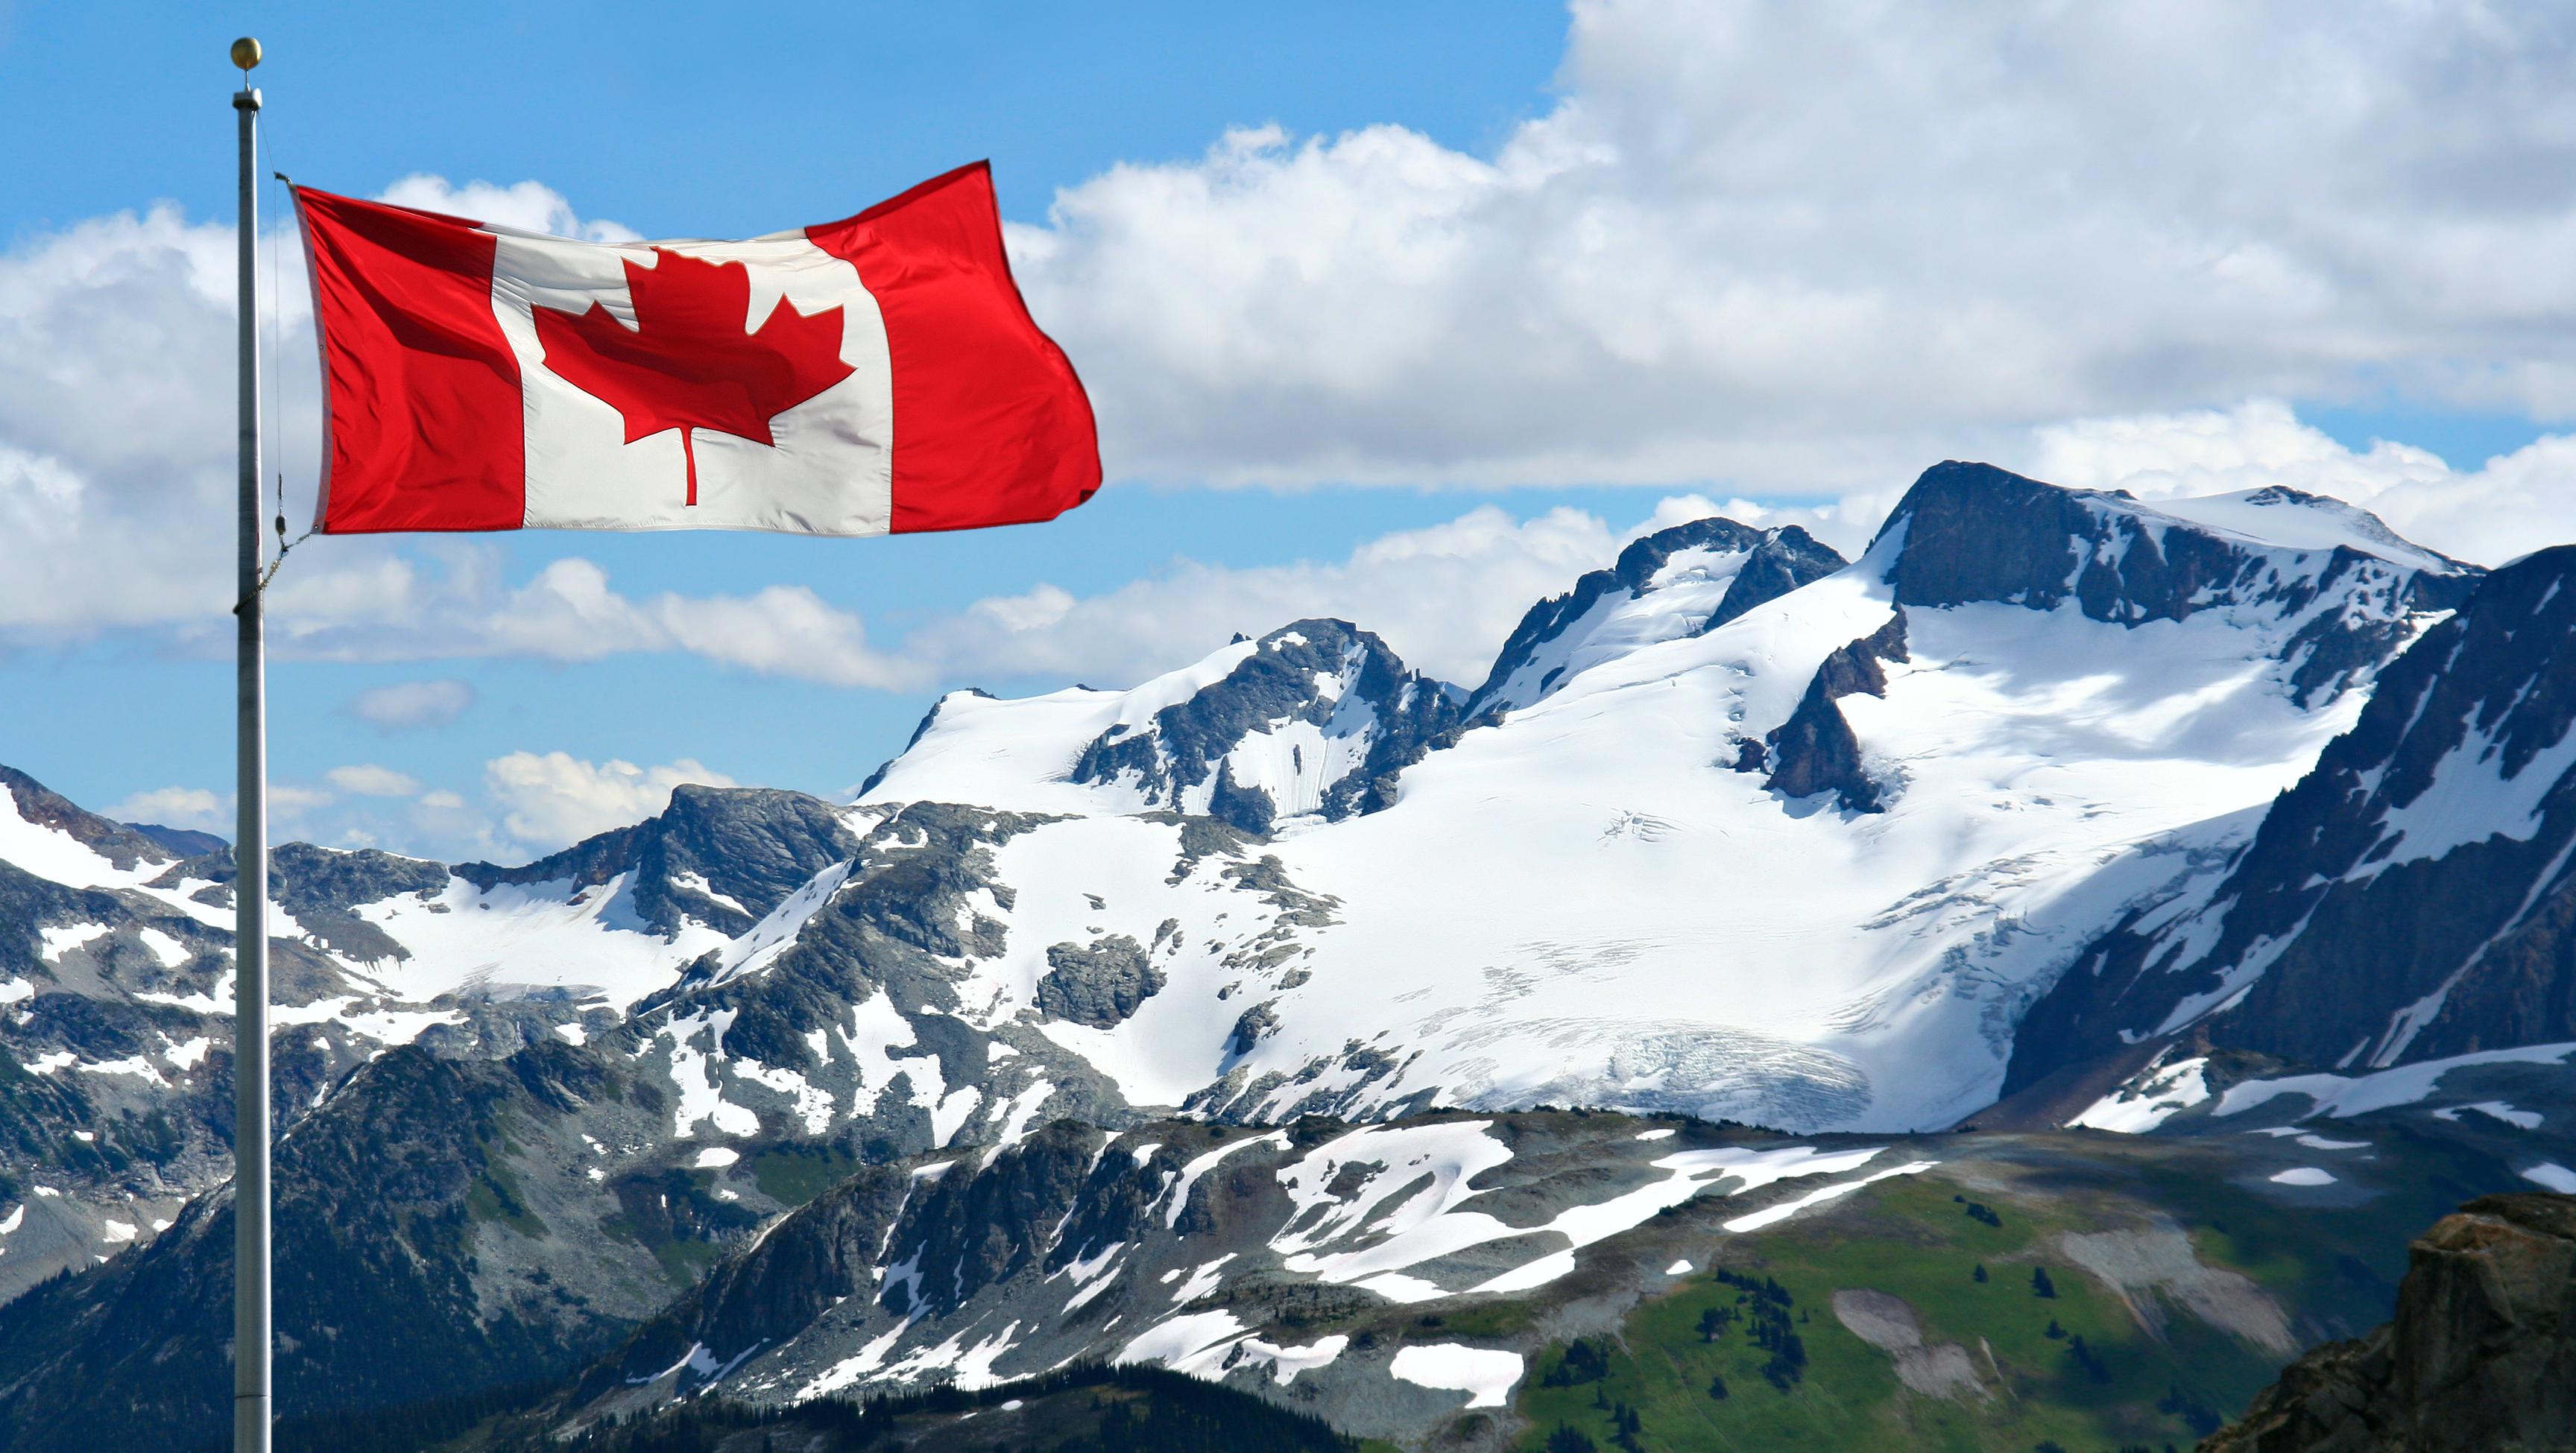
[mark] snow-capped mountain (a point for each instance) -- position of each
(1805, 867)
(1312, 720)
(1732, 829)
(1675, 582)
(1795, 853)
(2412, 897)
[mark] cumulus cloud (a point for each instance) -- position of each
(453, 604)
(1444, 597)
(556, 799)
(1801, 246)
(116, 417)
(1781, 254)
(191, 807)
(527, 206)
(369, 780)
(405, 705)
(2507, 506)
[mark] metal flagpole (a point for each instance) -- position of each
(251, 1399)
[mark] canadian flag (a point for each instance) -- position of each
(875, 375)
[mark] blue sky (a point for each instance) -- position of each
(1455, 396)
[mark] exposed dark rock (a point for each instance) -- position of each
(1253, 1026)
(1100, 985)
(186, 842)
(1814, 750)
(2481, 1354)
(1787, 558)
(2473, 948)
(753, 846)
(321, 885)
(1972, 533)
(114, 841)
(1399, 711)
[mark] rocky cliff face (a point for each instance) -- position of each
(2481, 1354)
(722, 857)
(2413, 897)
(1814, 750)
(1972, 532)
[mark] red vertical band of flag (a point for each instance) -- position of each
(934, 402)
(976, 384)
(423, 430)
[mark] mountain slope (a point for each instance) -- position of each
(2413, 897)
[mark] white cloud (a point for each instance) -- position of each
(192, 807)
(569, 612)
(442, 801)
(2505, 507)
(370, 780)
(1444, 598)
(527, 206)
(408, 704)
(1807, 246)
(1789, 251)
(555, 799)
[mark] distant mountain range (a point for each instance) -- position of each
(2052, 798)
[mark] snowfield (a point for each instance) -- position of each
(1585, 904)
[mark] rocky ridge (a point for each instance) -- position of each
(2481, 1353)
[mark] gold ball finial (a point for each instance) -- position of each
(246, 53)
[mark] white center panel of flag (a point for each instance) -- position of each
(830, 468)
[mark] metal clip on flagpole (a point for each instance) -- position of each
(251, 1395)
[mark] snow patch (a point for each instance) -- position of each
(1771, 1215)
(2344, 1096)
(1486, 1375)
(2177, 1087)
(2552, 1175)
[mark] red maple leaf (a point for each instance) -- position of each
(690, 362)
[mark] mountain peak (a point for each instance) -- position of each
(1683, 580)
(120, 844)
(2344, 585)
(1314, 717)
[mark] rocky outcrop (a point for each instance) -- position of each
(1973, 533)
(2481, 1354)
(1814, 750)
(119, 844)
(1100, 985)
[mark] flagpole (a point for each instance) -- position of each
(251, 1394)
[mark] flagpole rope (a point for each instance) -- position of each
(274, 424)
